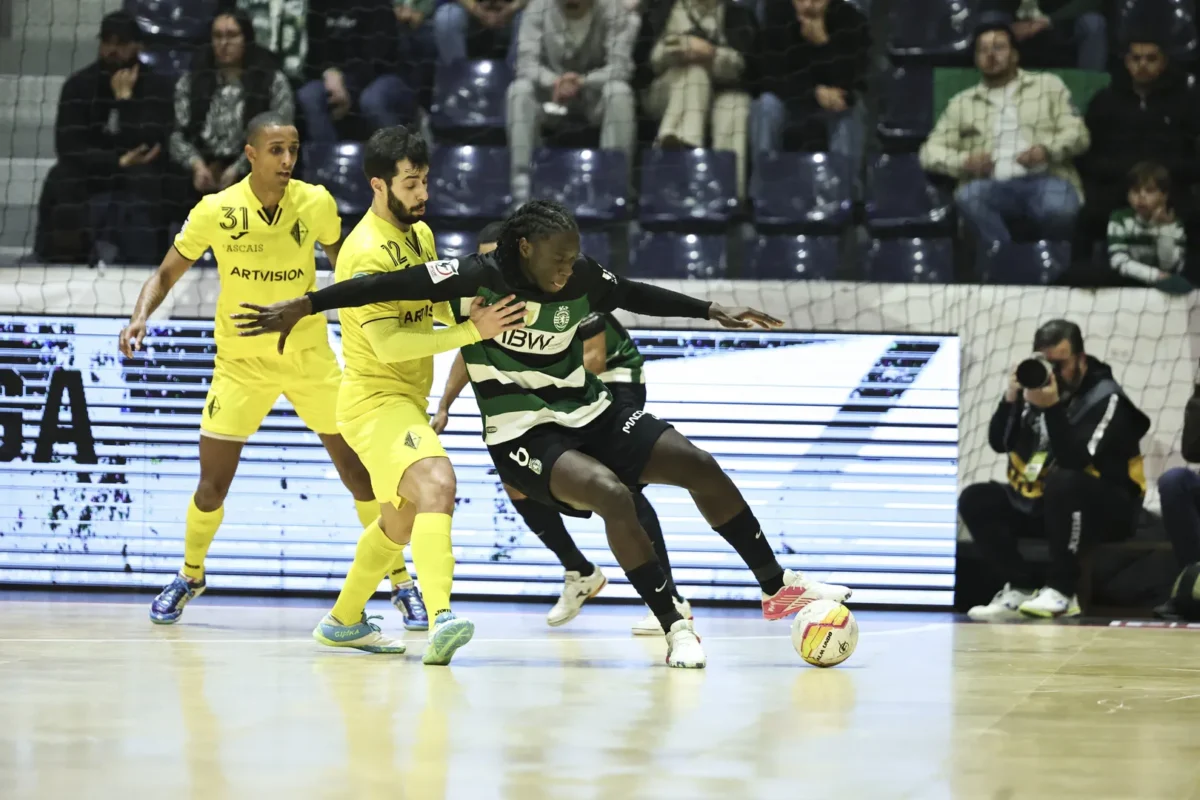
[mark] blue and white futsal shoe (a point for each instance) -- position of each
(406, 597)
(168, 606)
(362, 635)
(449, 633)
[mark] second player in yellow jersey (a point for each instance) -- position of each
(262, 232)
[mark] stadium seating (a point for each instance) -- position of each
(910, 261)
(186, 20)
(808, 191)
(670, 255)
(937, 31)
(906, 106)
(1174, 21)
(339, 168)
(453, 244)
(900, 199)
(688, 188)
(596, 245)
(468, 182)
(794, 258)
(1026, 263)
(470, 99)
(591, 182)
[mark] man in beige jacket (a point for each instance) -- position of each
(1009, 141)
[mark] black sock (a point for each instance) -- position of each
(649, 519)
(745, 535)
(548, 525)
(651, 586)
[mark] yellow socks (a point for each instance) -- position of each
(434, 560)
(399, 573)
(374, 555)
(199, 532)
(367, 510)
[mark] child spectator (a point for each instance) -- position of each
(1145, 241)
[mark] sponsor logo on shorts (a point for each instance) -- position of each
(214, 406)
(562, 318)
(491, 429)
(633, 418)
(441, 270)
(299, 232)
(411, 440)
(535, 466)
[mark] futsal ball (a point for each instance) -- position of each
(824, 633)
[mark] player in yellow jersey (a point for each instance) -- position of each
(388, 350)
(262, 231)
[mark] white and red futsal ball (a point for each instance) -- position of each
(824, 633)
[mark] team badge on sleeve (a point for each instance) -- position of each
(441, 270)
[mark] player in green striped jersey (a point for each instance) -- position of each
(609, 352)
(551, 427)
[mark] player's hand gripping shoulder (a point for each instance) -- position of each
(742, 317)
(493, 320)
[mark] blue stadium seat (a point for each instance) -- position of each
(592, 183)
(188, 20)
(688, 186)
(468, 182)
(596, 245)
(339, 168)
(808, 190)
(900, 198)
(910, 261)
(454, 244)
(675, 255)
(1026, 263)
(906, 104)
(1173, 21)
(471, 95)
(794, 258)
(934, 30)
(170, 62)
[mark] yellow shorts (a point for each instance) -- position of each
(389, 438)
(243, 390)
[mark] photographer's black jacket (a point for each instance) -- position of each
(1097, 430)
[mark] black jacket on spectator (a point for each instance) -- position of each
(792, 67)
(740, 32)
(360, 39)
(94, 129)
(1126, 129)
(1097, 430)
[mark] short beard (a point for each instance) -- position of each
(397, 209)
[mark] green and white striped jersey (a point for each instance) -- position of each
(529, 377)
(1140, 250)
(623, 360)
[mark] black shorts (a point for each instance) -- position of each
(628, 394)
(621, 439)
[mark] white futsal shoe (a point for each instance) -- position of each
(650, 626)
(1050, 603)
(1004, 606)
(683, 647)
(577, 590)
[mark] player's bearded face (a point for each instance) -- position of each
(405, 214)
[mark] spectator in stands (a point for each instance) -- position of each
(1009, 141)
(418, 46)
(231, 81)
(1074, 475)
(575, 58)
(1179, 492)
(1057, 33)
(1148, 113)
(1146, 242)
(696, 59)
(102, 200)
(353, 59)
(281, 27)
(476, 29)
(814, 71)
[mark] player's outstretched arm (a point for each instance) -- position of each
(455, 383)
(655, 301)
(392, 342)
(154, 291)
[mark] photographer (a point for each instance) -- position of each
(1074, 473)
(1179, 492)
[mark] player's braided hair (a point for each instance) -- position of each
(534, 220)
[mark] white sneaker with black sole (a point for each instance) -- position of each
(577, 590)
(650, 626)
(1004, 606)
(683, 647)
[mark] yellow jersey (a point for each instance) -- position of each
(375, 245)
(262, 258)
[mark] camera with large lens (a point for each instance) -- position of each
(1034, 372)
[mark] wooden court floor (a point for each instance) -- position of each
(238, 702)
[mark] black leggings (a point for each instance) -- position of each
(1078, 511)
